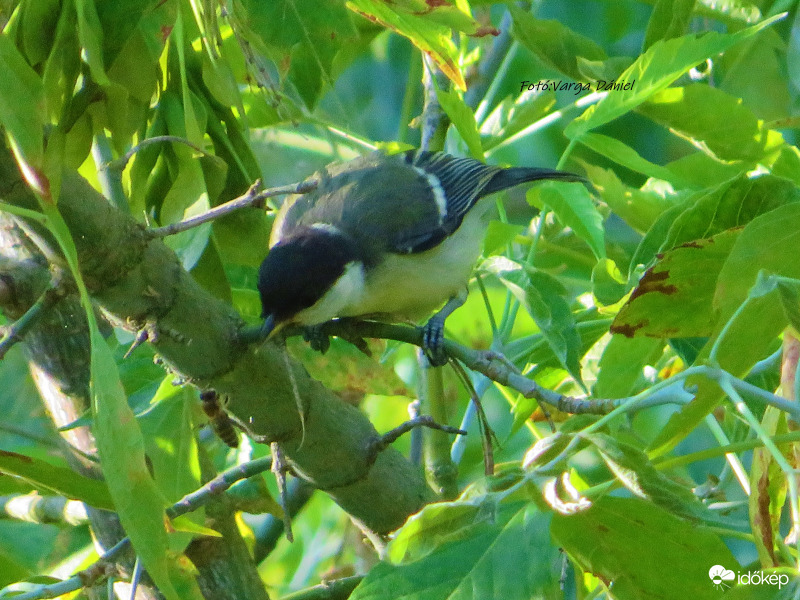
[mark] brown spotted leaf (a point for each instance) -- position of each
(674, 297)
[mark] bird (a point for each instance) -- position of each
(390, 237)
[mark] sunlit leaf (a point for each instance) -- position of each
(656, 69)
(59, 480)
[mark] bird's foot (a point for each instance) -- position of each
(316, 338)
(433, 341)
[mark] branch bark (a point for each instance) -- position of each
(139, 283)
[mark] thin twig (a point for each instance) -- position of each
(219, 484)
(499, 369)
(120, 163)
(434, 120)
(16, 331)
(488, 436)
(251, 198)
(279, 469)
(492, 364)
(392, 436)
(337, 589)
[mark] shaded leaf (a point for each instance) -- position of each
(669, 19)
(575, 208)
(622, 363)
(22, 110)
(609, 285)
(485, 561)
(90, 34)
(614, 540)
(544, 299)
(555, 44)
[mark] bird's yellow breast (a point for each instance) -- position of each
(411, 286)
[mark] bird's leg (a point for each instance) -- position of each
(433, 331)
(317, 338)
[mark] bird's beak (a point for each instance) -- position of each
(268, 328)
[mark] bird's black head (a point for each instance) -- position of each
(300, 269)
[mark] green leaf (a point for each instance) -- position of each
(303, 38)
(544, 299)
(732, 12)
(772, 99)
(790, 299)
(770, 242)
(732, 204)
(426, 33)
(788, 164)
(59, 480)
(609, 285)
(39, 22)
(674, 297)
(554, 44)
(656, 69)
(170, 442)
(510, 558)
(434, 525)
(638, 208)
(22, 106)
(642, 550)
(774, 587)
(498, 236)
(12, 571)
(133, 53)
(575, 208)
(62, 67)
(622, 363)
(626, 156)
(138, 502)
(512, 116)
(669, 19)
(700, 170)
(633, 469)
(714, 121)
(90, 34)
(463, 118)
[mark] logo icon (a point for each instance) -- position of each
(719, 575)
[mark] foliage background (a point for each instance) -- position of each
(694, 176)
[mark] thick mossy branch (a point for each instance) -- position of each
(138, 282)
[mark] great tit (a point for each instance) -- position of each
(385, 237)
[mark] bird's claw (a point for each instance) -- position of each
(433, 342)
(315, 337)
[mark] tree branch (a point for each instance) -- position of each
(138, 280)
(492, 364)
(251, 198)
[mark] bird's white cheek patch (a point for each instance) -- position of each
(346, 292)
